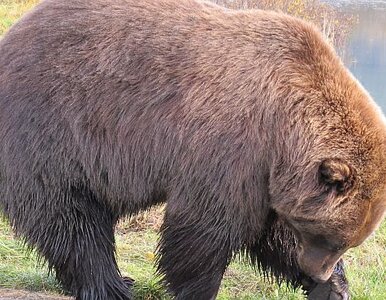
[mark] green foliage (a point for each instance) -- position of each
(11, 11)
(19, 269)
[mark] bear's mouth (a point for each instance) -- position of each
(316, 261)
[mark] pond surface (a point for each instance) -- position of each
(367, 45)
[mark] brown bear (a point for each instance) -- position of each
(235, 119)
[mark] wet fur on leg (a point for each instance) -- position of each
(192, 257)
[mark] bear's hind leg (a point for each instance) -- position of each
(77, 240)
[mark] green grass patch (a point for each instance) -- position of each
(11, 11)
(19, 269)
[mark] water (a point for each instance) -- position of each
(367, 45)
(358, 3)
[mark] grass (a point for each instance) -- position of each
(366, 267)
(20, 269)
(11, 11)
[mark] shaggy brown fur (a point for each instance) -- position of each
(110, 107)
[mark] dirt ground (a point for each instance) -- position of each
(8, 294)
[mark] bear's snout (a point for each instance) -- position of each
(317, 263)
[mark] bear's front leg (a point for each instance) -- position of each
(193, 255)
(336, 288)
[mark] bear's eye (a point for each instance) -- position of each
(322, 241)
(335, 246)
(338, 248)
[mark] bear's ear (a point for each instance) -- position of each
(336, 174)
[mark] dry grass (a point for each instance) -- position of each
(151, 219)
(11, 11)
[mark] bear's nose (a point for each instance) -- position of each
(323, 277)
(317, 263)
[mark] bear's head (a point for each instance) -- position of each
(327, 152)
(349, 209)
(328, 180)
